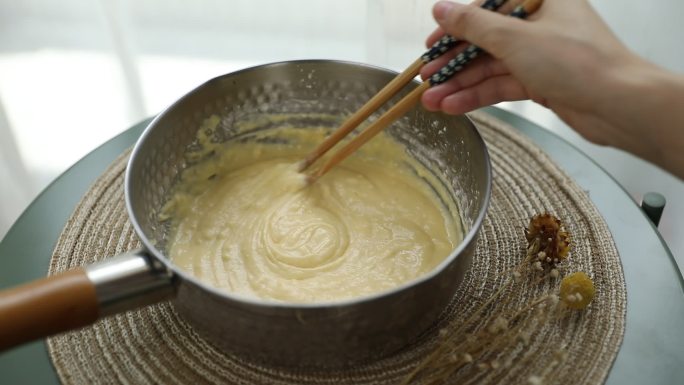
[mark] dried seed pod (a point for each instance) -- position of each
(547, 240)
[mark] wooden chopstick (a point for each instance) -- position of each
(400, 108)
(394, 113)
(363, 113)
(441, 46)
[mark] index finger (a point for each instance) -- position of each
(434, 36)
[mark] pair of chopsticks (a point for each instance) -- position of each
(404, 105)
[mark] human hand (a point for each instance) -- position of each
(554, 59)
(565, 58)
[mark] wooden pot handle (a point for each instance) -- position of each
(47, 306)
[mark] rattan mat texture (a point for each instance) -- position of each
(154, 345)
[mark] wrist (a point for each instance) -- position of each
(648, 111)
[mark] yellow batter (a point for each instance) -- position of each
(245, 221)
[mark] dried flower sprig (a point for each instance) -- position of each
(484, 342)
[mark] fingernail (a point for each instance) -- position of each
(441, 10)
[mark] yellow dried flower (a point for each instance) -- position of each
(577, 290)
(547, 240)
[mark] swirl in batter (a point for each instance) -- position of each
(246, 222)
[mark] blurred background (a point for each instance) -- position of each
(75, 73)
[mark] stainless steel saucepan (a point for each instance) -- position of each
(322, 334)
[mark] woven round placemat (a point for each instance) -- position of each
(154, 344)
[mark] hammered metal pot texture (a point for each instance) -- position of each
(312, 335)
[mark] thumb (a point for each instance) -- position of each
(489, 30)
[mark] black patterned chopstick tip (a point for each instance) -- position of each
(455, 65)
(442, 45)
(520, 12)
(493, 5)
(448, 42)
